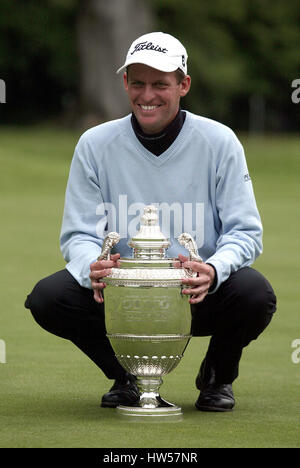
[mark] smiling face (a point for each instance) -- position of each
(154, 96)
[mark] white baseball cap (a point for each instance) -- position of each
(157, 50)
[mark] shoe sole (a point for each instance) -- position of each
(108, 405)
(212, 409)
(114, 405)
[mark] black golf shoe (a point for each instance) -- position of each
(121, 393)
(213, 396)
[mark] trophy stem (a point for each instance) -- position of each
(150, 402)
(149, 392)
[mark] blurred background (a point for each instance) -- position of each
(58, 59)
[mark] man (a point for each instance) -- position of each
(194, 169)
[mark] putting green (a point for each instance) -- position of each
(50, 392)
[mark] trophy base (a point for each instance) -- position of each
(170, 412)
(150, 403)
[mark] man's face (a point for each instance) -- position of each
(154, 96)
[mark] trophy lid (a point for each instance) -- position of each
(149, 243)
(148, 266)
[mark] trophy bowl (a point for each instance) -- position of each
(148, 319)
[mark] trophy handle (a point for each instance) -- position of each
(110, 240)
(187, 241)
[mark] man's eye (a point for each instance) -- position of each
(161, 85)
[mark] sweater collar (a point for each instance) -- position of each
(159, 142)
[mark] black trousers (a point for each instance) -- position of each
(234, 315)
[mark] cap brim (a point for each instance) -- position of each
(152, 62)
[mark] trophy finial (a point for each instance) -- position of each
(149, 242)
(150, 216)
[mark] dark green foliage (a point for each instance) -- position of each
(239, 49)
(243, 57)
(37, 57)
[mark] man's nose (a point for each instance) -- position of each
(148, 93)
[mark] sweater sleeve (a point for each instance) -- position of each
(81, 232)
(240, 240)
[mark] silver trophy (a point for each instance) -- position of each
(148, 319)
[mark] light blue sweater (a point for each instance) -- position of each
(200, 184)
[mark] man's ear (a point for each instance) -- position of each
(125, 81)
(185, 85)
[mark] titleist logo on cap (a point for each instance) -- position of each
(148, 46)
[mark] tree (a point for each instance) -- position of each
(105, 31)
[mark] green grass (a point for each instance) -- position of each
(50, 392)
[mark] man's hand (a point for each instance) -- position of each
(199, 285)
(99, 270)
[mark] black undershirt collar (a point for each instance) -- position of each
(159, 142)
